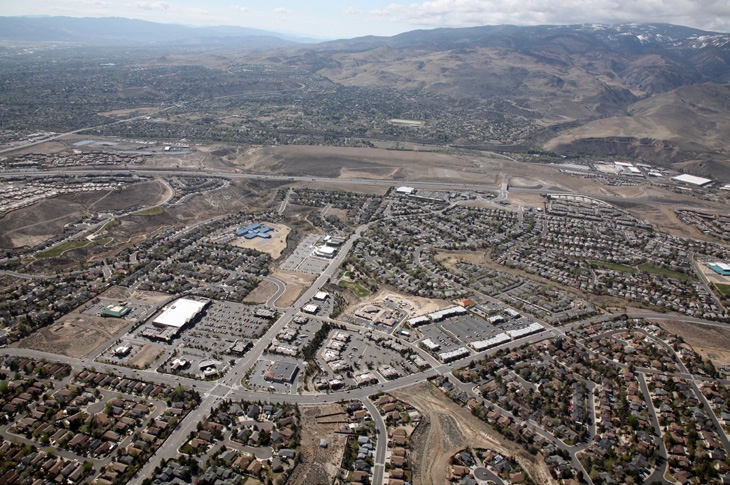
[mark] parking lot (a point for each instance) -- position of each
(363, 352)
(234, 320)
(462, 330)
(302, 259)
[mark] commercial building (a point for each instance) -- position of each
(454, 354)
(325, 252)
(311, 309)
(174, 318)
(720, 268)
(123, 350)
(524, 332)
(447, 312)
(498, 339)
(281, 372)
(180, 312)
(115, 311)
(430, 344)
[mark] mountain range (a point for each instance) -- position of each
(117, 31)
(653, 91)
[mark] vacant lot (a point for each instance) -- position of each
(296, 284)
(145, 357)
(74, 335)
(319, 465)
(705, 339)
(261, 293)
(449, 428)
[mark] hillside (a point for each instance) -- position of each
(670, 127)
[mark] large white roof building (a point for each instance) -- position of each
(692, 180)
(180, 312)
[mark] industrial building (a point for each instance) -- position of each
(692, 180)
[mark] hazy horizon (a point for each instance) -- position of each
(330, 19)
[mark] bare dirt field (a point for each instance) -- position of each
(261, 293)
(319, 465)
(451, 258)
(449, 428)
(274, 246)
(74, 335)
(296, 284)
(31, 225)
(414, 304)
(529, 200)
(705, 339)
(145, 357)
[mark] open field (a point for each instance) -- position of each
(31, 225)
(152, 211)
(62, 248)
(663, 272)
(451, 428)
(356, 288)
(703, 338)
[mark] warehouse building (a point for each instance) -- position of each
(692, 180)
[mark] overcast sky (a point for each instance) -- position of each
(343, 19)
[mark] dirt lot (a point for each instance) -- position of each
(261, 293)
(145, 357)
(274, 246)
(296, 284)
(319, 465)
(705, 339)
(451, 258)
(74, 335)
(450, 428)
(418, 306)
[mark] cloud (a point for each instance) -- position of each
(152, 5)
(707, 14)
(352, 11)
(238, 8)
(282, 10)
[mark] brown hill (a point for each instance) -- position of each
(686, 124)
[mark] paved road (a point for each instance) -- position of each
(280, 289)
(658, 475)
(382, 444)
